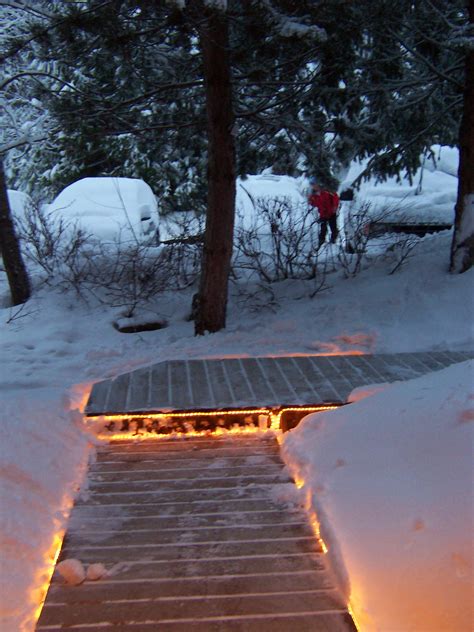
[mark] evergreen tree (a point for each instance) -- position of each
(408, 83)
(218, 239)
(24, 122)
(109, 54)
(380, 80)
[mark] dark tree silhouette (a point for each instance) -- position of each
(218, 238)
(16, 272)
(462, 251)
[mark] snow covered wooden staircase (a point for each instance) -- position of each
(198, 534)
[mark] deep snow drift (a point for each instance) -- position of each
(43, 458)
(390, 478)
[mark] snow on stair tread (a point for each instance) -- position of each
(152, 483)
(263, 518)
(137, 462)
(174, 508)
(237, 565)
(189, 474)
(203, 550)
(188, 534)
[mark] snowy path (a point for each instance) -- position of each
(197, 534)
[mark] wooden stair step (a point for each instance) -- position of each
(196, 535)
(94, 592)
(156, 609)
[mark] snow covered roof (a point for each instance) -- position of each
(240, 383)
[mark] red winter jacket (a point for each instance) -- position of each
(326, 202)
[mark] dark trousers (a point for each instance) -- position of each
(332, 221)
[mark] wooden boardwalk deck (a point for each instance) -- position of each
(197, 535)
(257, 382)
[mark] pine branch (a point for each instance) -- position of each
(395, 151)
(438, 73)
(36, 73)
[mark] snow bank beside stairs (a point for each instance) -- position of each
(390, 477)
(43, 456)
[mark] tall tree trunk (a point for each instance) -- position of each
(462, 249)
(218, 238)
(10, 249)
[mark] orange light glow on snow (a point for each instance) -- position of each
(79, 395)
(357, 614)
(329, 349)
(43, 581)
(350, 609)
(317, 531)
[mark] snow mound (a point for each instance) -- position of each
(43, 455)
(109, 208)
(19, 203)
(95, 571)
(72, 571)
(393, 474)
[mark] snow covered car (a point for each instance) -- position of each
(255, 190)
(110, 209)
(417, 207)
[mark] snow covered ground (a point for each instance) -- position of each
(394, 466)
(390, 478)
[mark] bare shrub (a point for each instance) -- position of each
(280, 242)
(401, 250)
(352, 252)
(48, 241)
(127, 275)
(121, 274)
(364, 236)
(184, 247)
(257, 297)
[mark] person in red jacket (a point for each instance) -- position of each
(327, 203)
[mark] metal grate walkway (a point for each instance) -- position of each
(197, 534)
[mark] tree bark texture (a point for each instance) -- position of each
(462, 250)
(219, 232)
(10, 248)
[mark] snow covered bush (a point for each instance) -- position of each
(48, 242)
(280, 240)
(128, 276)
(366, 235)
(119, 273)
